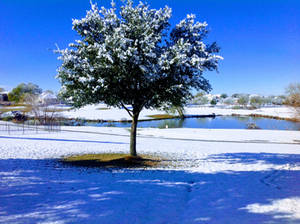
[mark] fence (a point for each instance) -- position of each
(26, 128)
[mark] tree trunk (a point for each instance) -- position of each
(133, 135)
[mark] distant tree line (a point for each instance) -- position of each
(36, 105)
(242, 100)
(293, 97)
(26, 93)
(23, 91)
(293, 93)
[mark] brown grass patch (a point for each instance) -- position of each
(11, 108)
(57, 110)
(269, 116)
(112, 160)
(161, 116)
(103, 108)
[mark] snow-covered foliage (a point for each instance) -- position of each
(250, 100)
(293, 98)
(131, 58)
(48, 97)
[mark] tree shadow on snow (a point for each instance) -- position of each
(33, 191)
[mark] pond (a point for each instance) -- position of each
(219, 122)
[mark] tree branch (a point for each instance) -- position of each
(128, 111)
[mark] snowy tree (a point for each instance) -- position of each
(256, 101)
(200, 99)
(224, 95)
(243, 100)
(278, 100)
(293, 97)
(228, 101)
(293, 92)
(132, 60)
(19, 92)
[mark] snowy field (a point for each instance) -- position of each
(102, 112)
(208, 176)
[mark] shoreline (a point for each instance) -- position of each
(169, 117)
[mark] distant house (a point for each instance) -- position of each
(4, 97)
(215, 97)
(209, 97)
(48, 97)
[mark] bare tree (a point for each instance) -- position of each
(293, 97)
(42, 112)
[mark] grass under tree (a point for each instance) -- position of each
(113, 160)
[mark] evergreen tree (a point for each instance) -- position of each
(130, 60)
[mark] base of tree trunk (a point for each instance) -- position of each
(112, 161)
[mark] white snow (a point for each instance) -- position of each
(47, 96)
(102, 112)
(282, 112)
(208, 176)
(288, 208)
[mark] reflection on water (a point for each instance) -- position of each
(242, 119)
(221, 122)
(172, 123)
(203, 120)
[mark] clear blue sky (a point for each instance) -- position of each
(260, 40)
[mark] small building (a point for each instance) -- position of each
(3, 97)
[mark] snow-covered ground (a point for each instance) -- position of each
(282, 112)
(101, 112)
(208, 176)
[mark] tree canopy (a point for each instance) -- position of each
(134, 58)
(19, 92)
(293, 92)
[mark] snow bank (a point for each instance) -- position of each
(102, 112)
(282, 112)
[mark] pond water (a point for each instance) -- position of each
(219, 122)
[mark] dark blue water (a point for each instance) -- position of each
(222, 122)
